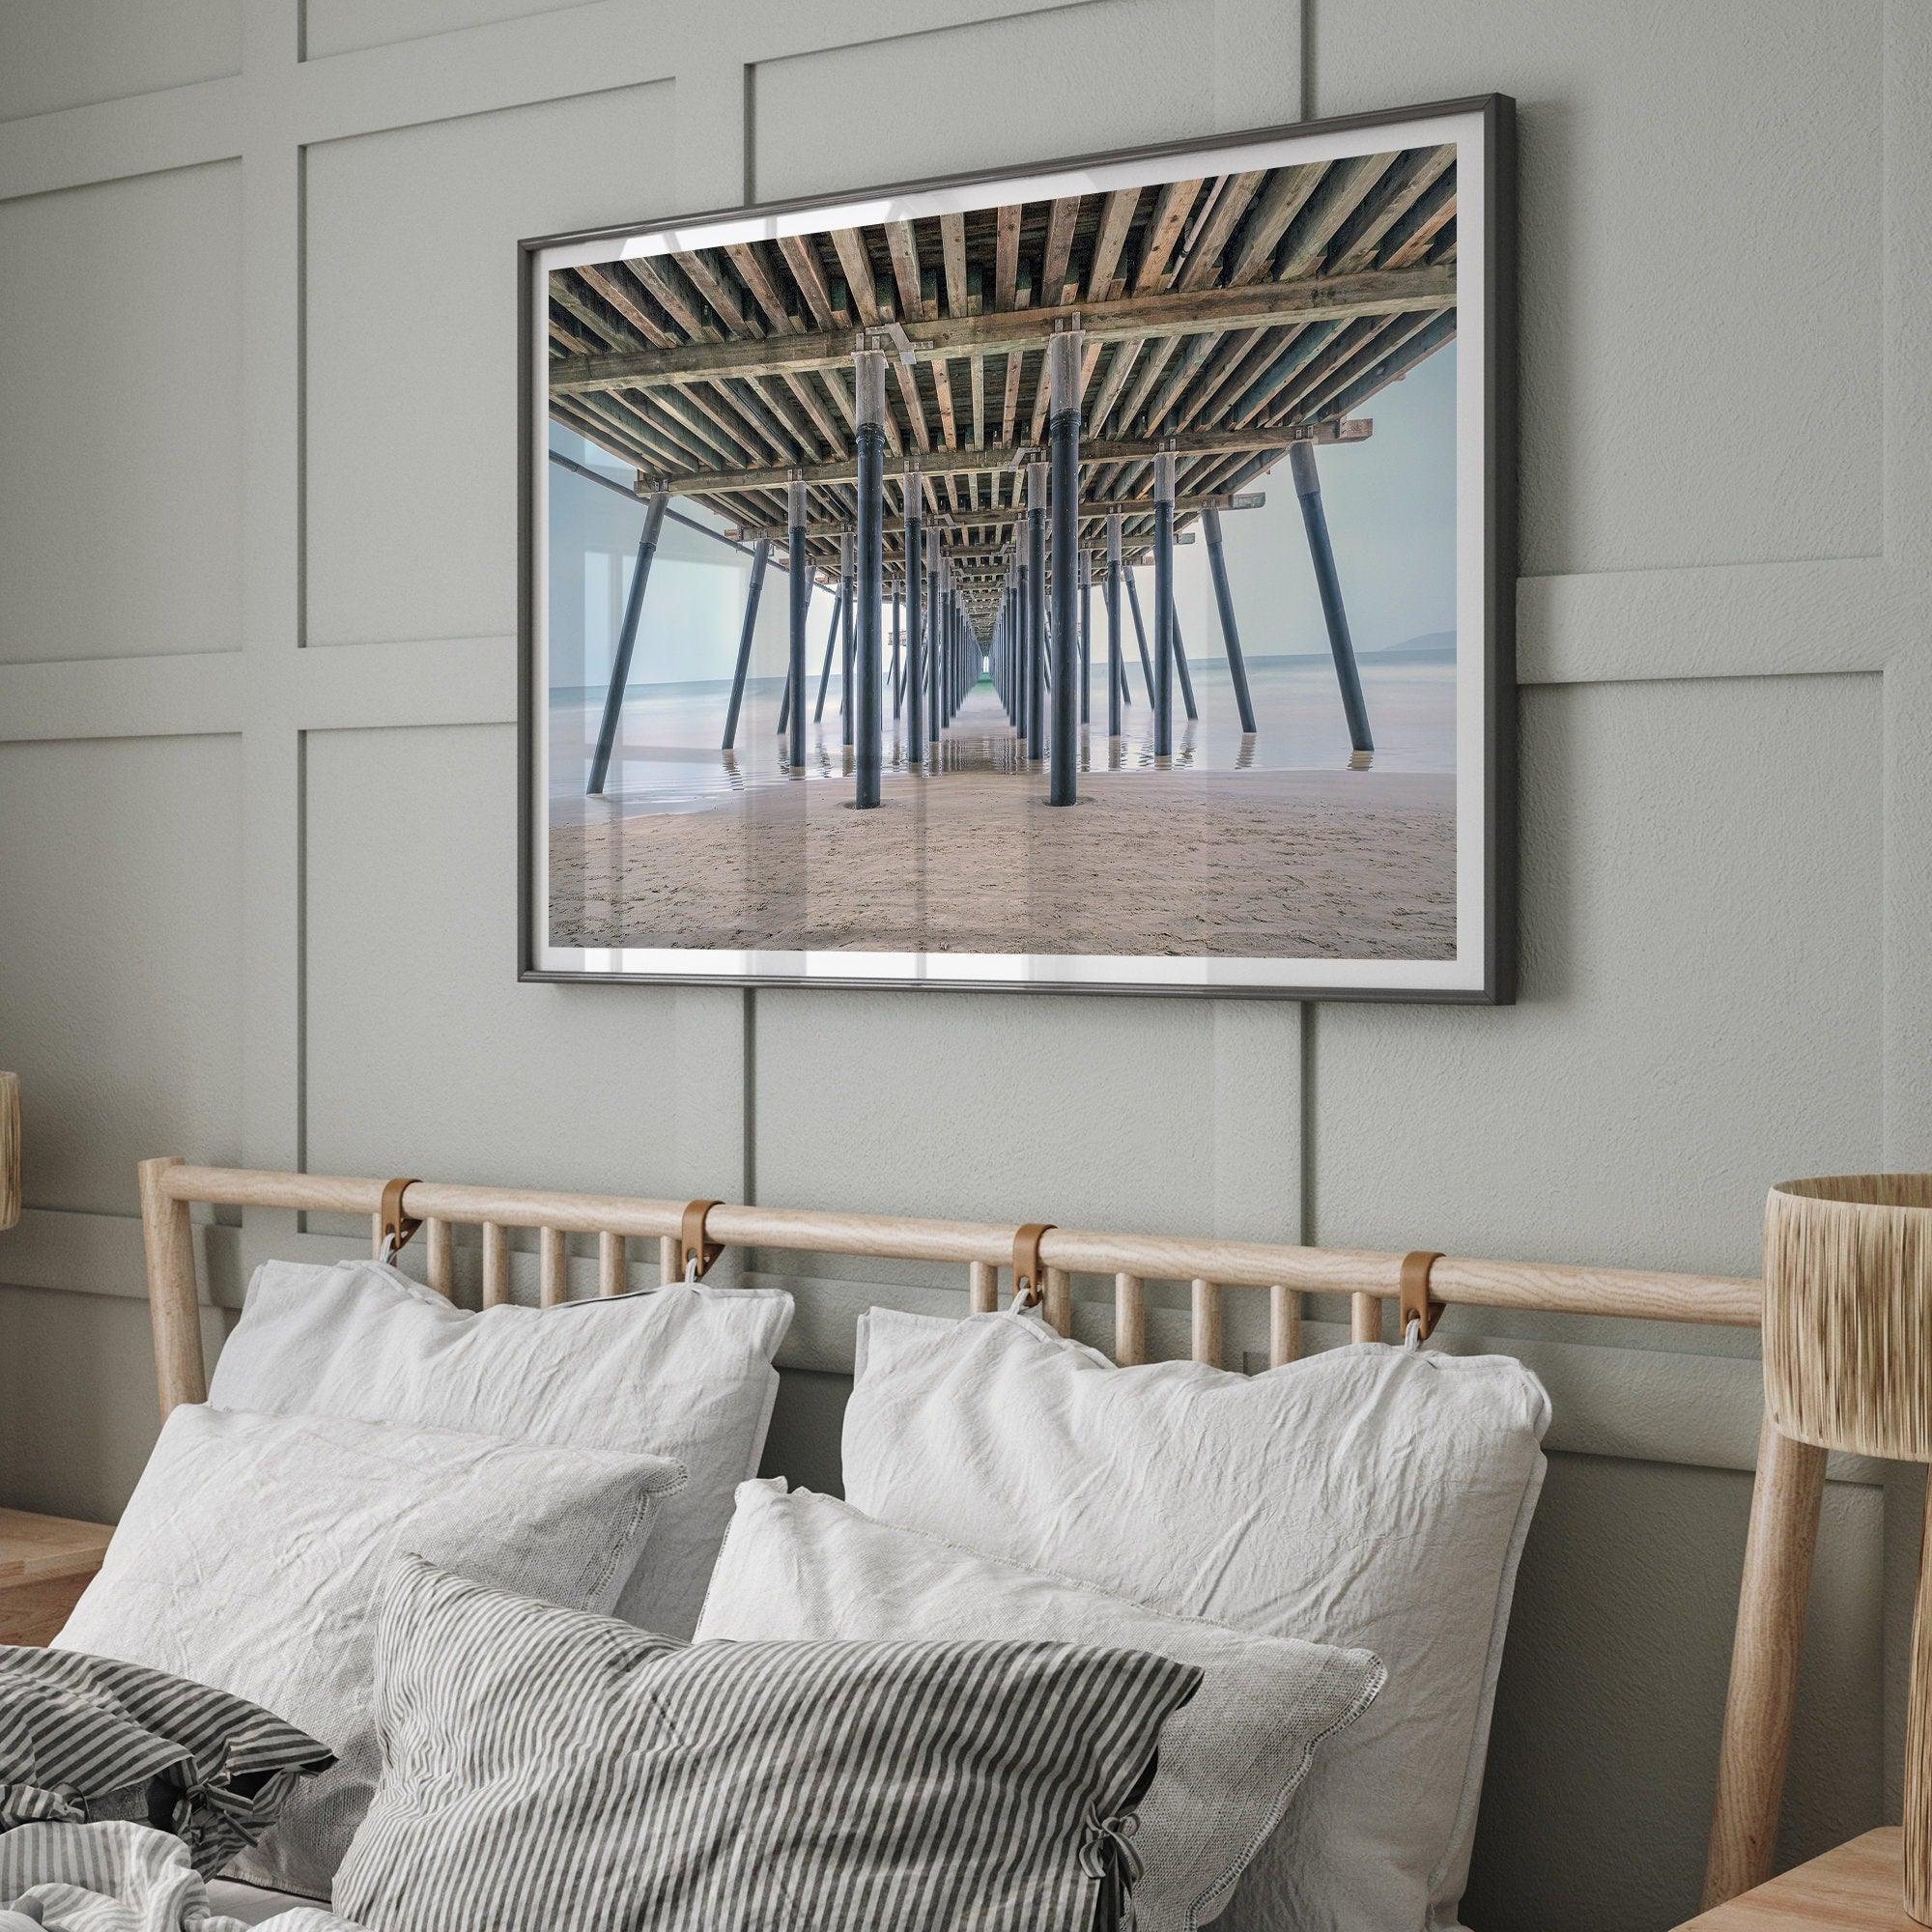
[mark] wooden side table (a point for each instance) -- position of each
(1856, 1888)
(46, 1563)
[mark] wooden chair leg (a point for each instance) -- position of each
(1785, 1501)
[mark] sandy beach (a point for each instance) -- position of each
(1181, 862)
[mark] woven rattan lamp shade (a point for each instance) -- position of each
(10, 1148)
(1848, 1313)
(1848, 1365)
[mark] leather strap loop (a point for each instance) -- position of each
(1418, 1305)
(1028, 1278)
(392, 1224)
(693, 1248)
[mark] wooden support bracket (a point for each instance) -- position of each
(391, 1223)
(695, 1249)
(1029, 1279)
(1418, 1305)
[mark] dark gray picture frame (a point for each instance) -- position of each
(1492, 846)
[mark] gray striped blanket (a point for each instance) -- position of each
(86, 1739)
(119, 1876)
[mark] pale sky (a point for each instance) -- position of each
(1391, 504)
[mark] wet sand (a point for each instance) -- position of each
(1189, 860)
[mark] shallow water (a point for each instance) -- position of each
(668, 758)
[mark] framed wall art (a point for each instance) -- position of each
(1095, 576)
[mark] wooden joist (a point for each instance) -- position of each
(975, 519)
(1176, 313)
(1223, 317)
(997, 457)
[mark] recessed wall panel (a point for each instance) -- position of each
(342, 26)
(411, 384)
(1701, 994)
(121, 967)
(1029, 87)
(74, 53)
(121, 417)
(425, 1054)
(1702, 339)
(1084, 1112)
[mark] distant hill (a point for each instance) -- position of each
(1430, 644)
(1432, 647)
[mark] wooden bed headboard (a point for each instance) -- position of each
(1785, 1497)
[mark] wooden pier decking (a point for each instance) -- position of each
(1222, 317)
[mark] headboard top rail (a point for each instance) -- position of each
(1558, 1288)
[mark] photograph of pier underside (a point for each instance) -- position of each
(970, 431)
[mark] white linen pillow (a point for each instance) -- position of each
(253, 1552)
(802, 1565)
(1370, 1496)
(684, 1372)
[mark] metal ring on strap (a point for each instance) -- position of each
(392, 1224)
(1029, 1278)
(693, 1249)
(1418, 1305)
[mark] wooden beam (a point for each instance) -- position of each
(1280, 202)
(1204, 251)
(991, 459)
(1391, 368)
(1170, 218)
(665, 283)
(802, 388)
(618, 294)
(1005, 255)
(757, 277)
(1358, 238)
(800, 254)
(1407, 240)
(1342, 189)
(1091, 509)
(709, 282)
(1117, 218)
(849, 244)
(1009, 409)
(908, 385)
(1118, 371)
(949, 424)
(1056, 288)
(905, 246)
(953, 251)
(994, 558)
(1159, 352)
(1176, 313)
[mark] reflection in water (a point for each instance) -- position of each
(667, 758)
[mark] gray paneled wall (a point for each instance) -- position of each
(257, 747)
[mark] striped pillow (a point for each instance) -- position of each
(549, 1771)
(87, 1738)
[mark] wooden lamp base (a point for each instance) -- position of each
(1919, 1742)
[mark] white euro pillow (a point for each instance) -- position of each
(253, 1552)
(1370, 1495)
(684, 1372)
(801, 1566)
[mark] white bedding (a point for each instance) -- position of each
(254, 1904)
(127, 1878)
